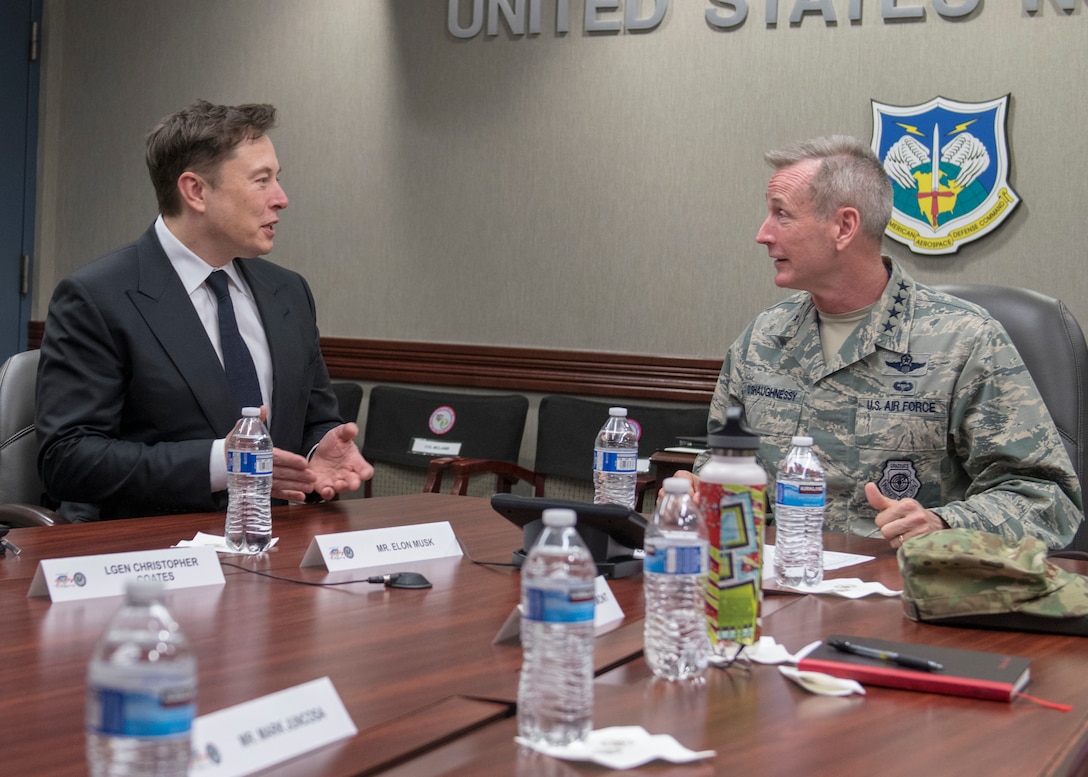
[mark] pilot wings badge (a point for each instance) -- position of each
(949, 166)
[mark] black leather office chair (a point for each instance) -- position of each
(1052, 345)
(407, 429)
(566, 430)
(20, 485)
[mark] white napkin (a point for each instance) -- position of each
(621, 747)
(822, 684)
(204, 540)
(848, 587)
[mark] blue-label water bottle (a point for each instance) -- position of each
(555, 693)
(249, 484)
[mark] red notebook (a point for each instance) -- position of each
(963, 673)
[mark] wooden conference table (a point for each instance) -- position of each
(432, 695)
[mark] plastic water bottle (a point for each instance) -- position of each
(141, 692)
(615, 460)
(249, 483)
(799, 517)
(555, 693)
(674, 575)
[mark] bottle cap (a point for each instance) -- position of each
(676, 485)
(617, 411)
(558, 516)
(802, 440)
(143, 591)
(250, 412)
(735, 435)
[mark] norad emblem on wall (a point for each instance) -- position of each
(949, 166)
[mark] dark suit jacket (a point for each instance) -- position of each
(131, 393)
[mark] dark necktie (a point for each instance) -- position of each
(237, 361)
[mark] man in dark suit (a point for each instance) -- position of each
(134, 400)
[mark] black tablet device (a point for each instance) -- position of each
(613, 533)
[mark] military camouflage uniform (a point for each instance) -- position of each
(928, 399)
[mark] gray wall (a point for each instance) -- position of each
(563, 190)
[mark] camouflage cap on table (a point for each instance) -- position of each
(980, 579)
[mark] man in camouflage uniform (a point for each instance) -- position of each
(920, 408)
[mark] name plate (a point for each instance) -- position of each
(90, 577)
(607, 615)
(435, 447)
(257, 734)
(381, 547)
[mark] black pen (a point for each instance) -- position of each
(885, 655)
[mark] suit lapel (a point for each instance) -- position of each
(164, 305)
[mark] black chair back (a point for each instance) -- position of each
(1052, 345)
(567, 427)
(408, 427)
(350, 397)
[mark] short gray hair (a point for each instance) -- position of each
(849, 175)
